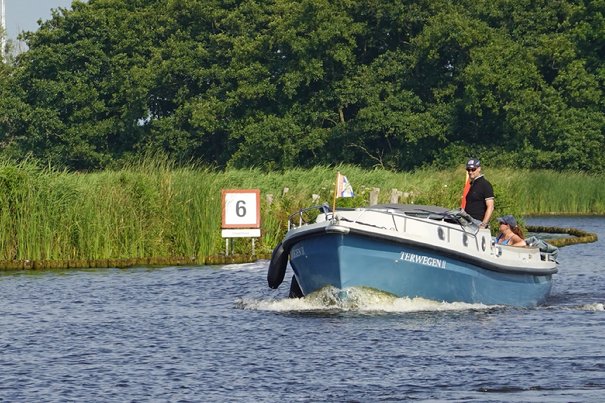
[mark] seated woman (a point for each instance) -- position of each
(510, 233)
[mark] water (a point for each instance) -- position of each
(219, 334)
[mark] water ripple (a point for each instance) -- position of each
(220, 334)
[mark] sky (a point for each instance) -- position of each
(22, 15)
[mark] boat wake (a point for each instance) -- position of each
(356, 299)
(593, 307)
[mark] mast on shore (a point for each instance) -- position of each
(3, 24)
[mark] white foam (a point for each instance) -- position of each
(252, 266)
(363, 300)
(593, 307)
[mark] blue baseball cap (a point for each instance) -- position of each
(508, 220)
(473, 163)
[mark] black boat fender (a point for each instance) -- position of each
(277, 267)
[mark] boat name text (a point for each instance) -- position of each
(297, 252)
(421, 259)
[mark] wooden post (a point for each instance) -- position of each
(395, 194)
(374, 196)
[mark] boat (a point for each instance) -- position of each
(409, 251)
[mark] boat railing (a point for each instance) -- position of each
(323, 212)
(451, 216)
(308, 215)
(548, 256)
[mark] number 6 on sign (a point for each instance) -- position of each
(241, 208)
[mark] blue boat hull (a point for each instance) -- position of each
(353, 260)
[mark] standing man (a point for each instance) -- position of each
(480, 197)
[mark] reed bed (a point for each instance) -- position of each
(152, 210)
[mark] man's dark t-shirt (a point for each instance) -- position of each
(480, 190)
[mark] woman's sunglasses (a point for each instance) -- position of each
(471, 169)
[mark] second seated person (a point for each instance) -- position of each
(510, 233)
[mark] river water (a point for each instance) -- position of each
(198, 334)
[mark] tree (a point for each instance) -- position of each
(84, 83)
(281, 83)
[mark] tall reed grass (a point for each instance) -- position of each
(154, 209)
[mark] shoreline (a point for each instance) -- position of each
(125, 263)
(577, 236)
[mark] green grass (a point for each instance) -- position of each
(154, 209)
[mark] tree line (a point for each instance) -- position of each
(277, 84)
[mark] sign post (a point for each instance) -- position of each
(241, 214)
